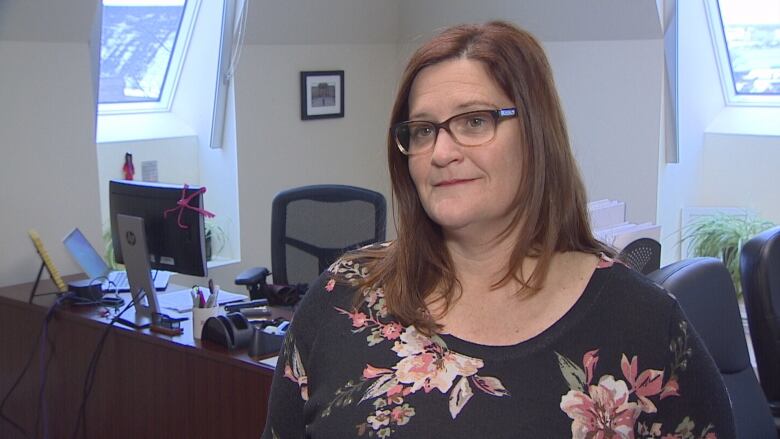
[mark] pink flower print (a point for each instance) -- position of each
(435, 370)
(411, 342)
(671, 388)
(330, 285)
(426, 365)
(392, 330)
(358, 319)
(371, 372)
(398, 390)
(401, 414)
(646, 385)
(294, 371)
(589, 360)
(605, 261)
(605, 413)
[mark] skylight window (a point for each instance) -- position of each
(747, 38)
(142, 45)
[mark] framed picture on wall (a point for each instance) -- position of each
(322, 94)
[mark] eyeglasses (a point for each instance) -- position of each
(474, 128)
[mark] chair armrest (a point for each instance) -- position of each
(253, 276)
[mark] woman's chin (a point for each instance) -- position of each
(453, 221)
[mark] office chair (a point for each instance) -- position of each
(643, 255)
(311, 226)
(705, 292)
(759, 266)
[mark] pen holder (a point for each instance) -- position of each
(199, 317)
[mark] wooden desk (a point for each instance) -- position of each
(146, 385)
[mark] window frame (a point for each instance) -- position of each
(172, 76)
(718, 36)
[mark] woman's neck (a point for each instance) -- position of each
(484, 261)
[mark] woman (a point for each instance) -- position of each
(495, 313)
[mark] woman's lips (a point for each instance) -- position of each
(453, 182)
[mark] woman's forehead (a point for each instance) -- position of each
(453, 85)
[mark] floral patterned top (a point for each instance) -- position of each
(623, 362)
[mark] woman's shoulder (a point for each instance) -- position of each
(626, 288)
(338, 284)
(336, 289)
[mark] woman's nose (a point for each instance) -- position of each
(445, 149)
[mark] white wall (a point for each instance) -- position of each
(611, 94)
(177, 162)
(742, 171)
(277, 150)
(49, 165)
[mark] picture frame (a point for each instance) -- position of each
(322, 94)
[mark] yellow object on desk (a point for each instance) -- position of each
(53, 272)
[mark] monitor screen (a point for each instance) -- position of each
(176, 241)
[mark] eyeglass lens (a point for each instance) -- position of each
(468, 129)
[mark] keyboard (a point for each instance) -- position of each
(118, 280)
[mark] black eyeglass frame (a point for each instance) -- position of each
(498, 115)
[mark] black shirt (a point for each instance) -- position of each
(623, 362)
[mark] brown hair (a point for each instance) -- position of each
(551, 202)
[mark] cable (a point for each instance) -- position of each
(44, 326)
(44, 375)
(89, 379)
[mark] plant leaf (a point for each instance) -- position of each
(572, 373)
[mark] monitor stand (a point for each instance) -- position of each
(133, 319)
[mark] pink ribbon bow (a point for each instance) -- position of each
(184, 203)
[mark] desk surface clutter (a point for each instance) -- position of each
(181, 301)
(139, 372)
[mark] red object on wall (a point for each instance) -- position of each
(128, 168)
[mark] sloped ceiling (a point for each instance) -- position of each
(548, 20)
(402, 21)
(47, 20)
(322, 21)
(365, 21)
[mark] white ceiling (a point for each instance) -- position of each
(47, 20)
(548, 20)
(402, 21)
(365, 21)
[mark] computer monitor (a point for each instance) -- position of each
(155, 226)
(176, 241)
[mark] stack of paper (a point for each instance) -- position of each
(606, 213)
(608, 222)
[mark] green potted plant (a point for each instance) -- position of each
(110, 250)
(722, 236)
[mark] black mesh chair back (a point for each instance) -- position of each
(312, 226)
(760, 272)
(705, 291)
(643, 255)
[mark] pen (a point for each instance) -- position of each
(212, 302)
(201, 299)
(194, 298)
